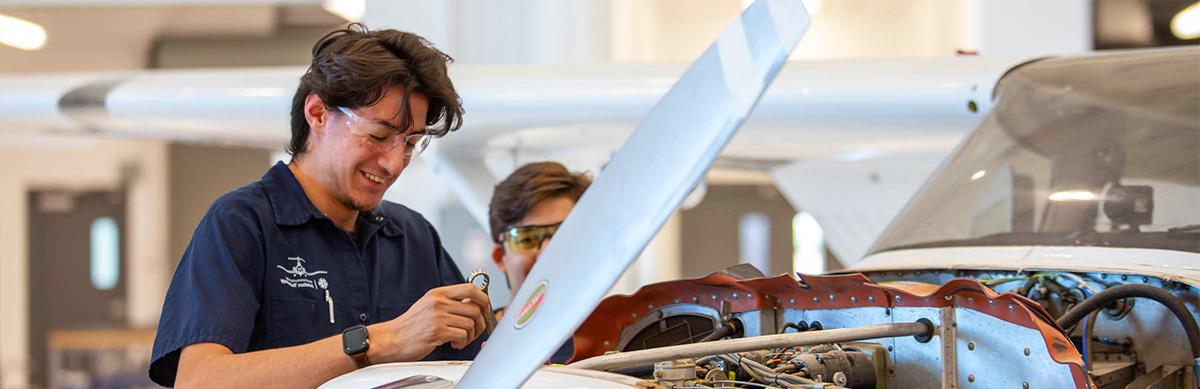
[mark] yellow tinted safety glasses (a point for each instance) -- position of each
(527, 239)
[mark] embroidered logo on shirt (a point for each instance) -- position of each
(298, 276)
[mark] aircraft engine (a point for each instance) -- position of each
(910, 329)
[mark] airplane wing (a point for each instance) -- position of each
(638, 190)
(851, 109)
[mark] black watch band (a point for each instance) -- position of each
(355, 343)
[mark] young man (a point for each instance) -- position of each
(307, 274)
(526, 210)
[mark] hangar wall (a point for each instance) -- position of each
(168, 188)
(80, 164)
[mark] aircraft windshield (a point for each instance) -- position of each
(1096, 151)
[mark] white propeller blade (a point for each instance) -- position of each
(639, 189)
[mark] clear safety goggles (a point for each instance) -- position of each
(384, 138)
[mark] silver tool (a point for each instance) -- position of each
(489, 318)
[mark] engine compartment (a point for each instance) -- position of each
(987, 329)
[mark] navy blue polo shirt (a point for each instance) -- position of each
(265, 269)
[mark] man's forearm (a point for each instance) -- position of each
(303, 366)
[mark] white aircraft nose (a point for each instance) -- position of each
(444, 375)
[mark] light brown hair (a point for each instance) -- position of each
(529, 185)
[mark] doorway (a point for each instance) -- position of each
(77, 267)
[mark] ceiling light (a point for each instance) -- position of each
(350, 10)
(1073, 195)
(21, 33)
(1186, 23)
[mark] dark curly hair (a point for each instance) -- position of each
(529, 185)
(353, 67)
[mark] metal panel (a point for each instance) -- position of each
(983, 340)
(917, 364)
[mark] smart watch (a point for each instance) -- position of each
(355, 343)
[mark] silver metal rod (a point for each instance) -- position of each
(646, 357)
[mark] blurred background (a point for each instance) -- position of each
(92, 226)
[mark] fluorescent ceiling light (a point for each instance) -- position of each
(1186, 23)
(1073, 195)
(350, 10)
(21, 33)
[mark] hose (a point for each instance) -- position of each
(1110, 295)
(1089, 330)
(721, 332)
(799, 327)
(635, 371)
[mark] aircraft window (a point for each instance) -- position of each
(1101, 151)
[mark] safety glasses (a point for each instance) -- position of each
(384, 138)
(527, 239)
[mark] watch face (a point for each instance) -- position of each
(354, 340)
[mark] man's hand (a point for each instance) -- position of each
(447, 314)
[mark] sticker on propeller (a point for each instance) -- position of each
(531, 306)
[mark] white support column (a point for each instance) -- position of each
(663, 257)
(1030, 27)
(504, 31)
(432, 20)
(148, 256)
(488, 31)
(14, 270)
(569, 32)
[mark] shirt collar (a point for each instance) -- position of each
(377, 220)
(292, 206)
